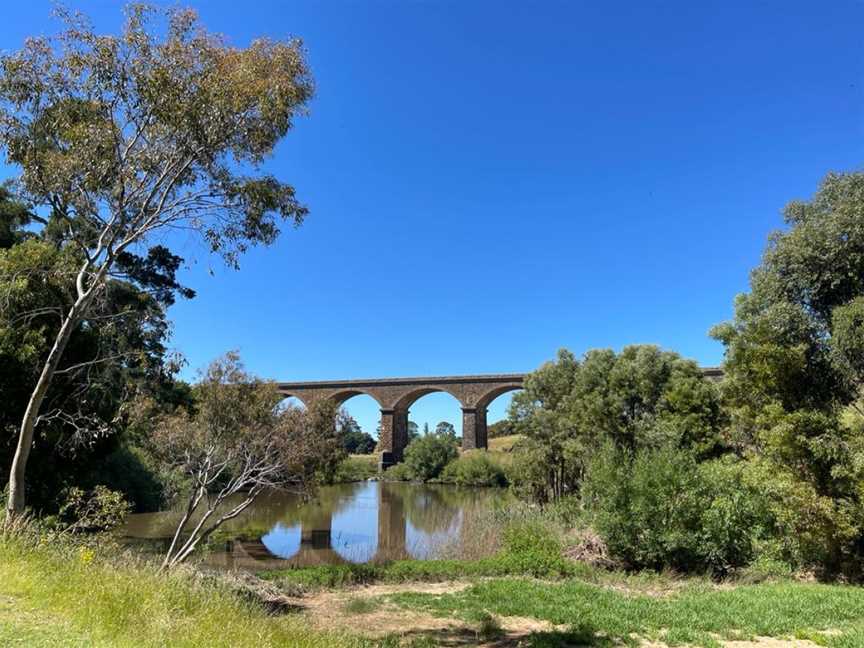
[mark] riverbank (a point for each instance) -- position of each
(74, 596)
(529, 594)
(67, 595)
(359, 467)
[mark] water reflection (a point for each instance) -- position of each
(360, 522)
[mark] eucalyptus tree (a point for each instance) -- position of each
(121, 139)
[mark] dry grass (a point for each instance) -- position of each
(505, 443)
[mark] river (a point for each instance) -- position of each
(358, 522)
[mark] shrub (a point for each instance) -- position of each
(532, 548)
(426, 456)
(662, 509)
(92, 511)
(399, 472)
(764, 568)
(352, 469)
(474, 469)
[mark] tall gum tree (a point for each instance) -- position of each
(121, 138)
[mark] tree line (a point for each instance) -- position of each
(768, 465)
(120, 142)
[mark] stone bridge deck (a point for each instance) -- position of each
(396, 395)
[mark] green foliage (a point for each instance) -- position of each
(764, 568)
(399, 472)
(642, 397)
(526, 562)
(352, 439)
(426, 456)
(847, 337)
(444, 428)
(795, 337)
(353, 469)
(795, 370)
(488, 627)
(413, 431)
(359, 605)
(93, 511)
(144, 482)
(662, 509)
(128, 323)
(474, 469)
(502, 428)
(532, 548)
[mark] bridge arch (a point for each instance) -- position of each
(300, 396)
(340, 397)
(413, 395)
(396, 395)
(486, 399)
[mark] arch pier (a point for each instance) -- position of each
(396, 395)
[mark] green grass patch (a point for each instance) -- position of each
(356, 468)
(529, 550)
(833, 615)
(70, 597)
(359, 605)
(403, 571)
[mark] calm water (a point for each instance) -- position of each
(361, 522)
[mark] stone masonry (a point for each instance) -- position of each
(396, 395)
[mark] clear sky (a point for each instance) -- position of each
(491, 181)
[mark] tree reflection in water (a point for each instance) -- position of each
(359, 522)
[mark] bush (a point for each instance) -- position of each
(399, 472)
(93, 511)
(351, 469)
(662, 509)
(474, 469)
(426, 456)
(532, 548)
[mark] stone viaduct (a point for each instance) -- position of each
(396, 395)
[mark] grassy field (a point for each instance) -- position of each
(503, 444)
(71, 597)
(49, 598)
(830, 615)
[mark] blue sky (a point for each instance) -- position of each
(491, 181)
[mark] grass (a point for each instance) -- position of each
(51, 597)
(359, 605)
(356, 468)
(504, 444)
(505, 563)
(398, 571)
(830, 615)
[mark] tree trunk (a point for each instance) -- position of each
(16, 503)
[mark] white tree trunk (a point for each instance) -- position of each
(16, 503)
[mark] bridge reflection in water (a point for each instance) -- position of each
(361, 522)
